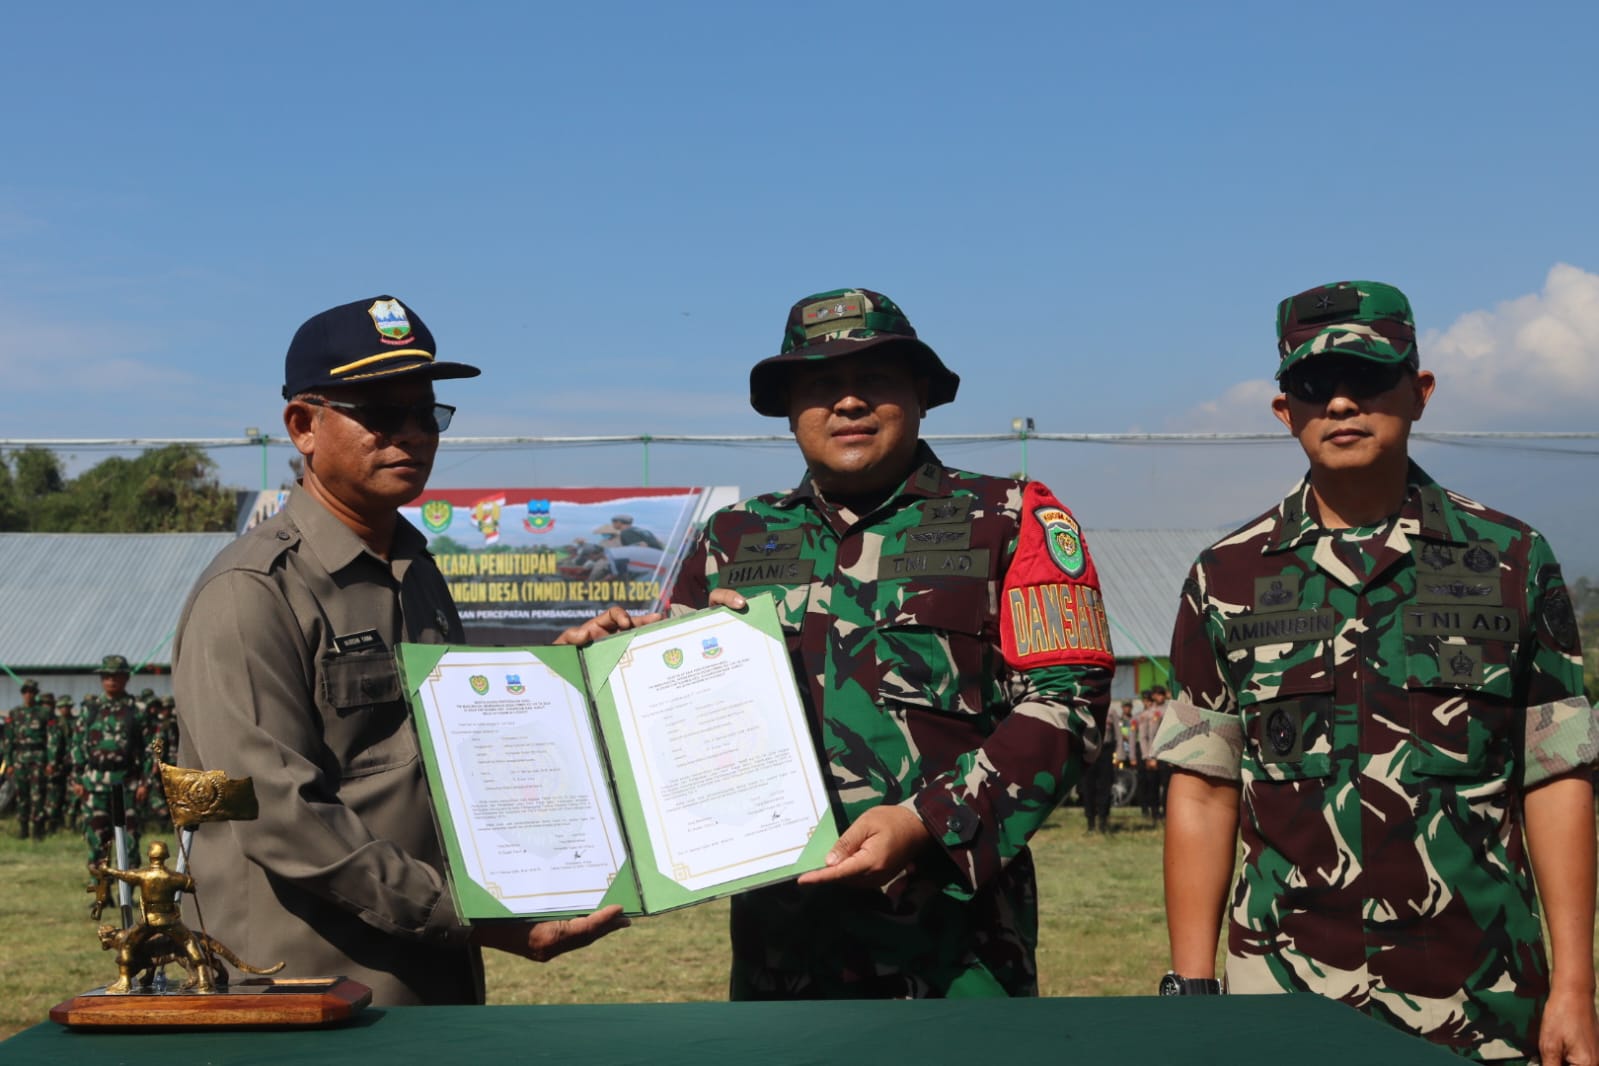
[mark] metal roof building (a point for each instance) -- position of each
(1141, 572)
(70, 598)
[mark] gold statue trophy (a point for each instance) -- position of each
(141, 996)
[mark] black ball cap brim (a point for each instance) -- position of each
(371, 340)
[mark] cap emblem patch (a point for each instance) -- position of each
(389, 318)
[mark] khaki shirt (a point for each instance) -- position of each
(284, 672)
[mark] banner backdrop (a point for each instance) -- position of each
(524, 564)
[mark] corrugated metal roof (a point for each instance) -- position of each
(71, 598)
(1141, 572)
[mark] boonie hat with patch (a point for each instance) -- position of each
(373, 339)
(828, 325)
(114, 664)
(1365, 319)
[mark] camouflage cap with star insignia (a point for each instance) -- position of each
(846, 322)
(1365, 319)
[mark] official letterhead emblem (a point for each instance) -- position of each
(672, 657)
(513, 684)
(709, 648)
(538, 518)
(1064, 538)
(436, 515)
(389, 318)
(480, 684)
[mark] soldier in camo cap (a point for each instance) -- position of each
(110, 763)
(33, 750)
(954, 658)
(1380, 687)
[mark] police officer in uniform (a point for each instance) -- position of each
(1387, 677)
(953, 656)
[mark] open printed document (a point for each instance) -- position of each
(657, 768)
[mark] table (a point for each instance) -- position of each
(1302, 1029)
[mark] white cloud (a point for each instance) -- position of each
(1530, 363)
(1243, 408)
(63, 359)
(1536, 355)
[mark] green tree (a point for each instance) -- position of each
(1585, 601)
(169, 489)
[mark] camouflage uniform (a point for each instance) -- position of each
(1384, 702)
(33, 750)
(63, 802)
(163, 727)
(953, 654)
(109, 754)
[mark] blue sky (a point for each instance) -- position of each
(1090, 211)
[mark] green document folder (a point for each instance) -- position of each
(655, 769)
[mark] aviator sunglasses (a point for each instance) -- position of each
(388, 418)
(1318, 381)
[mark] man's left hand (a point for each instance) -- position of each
(1567, 1032)
(140, 793)
(880, 846)
(611, 620)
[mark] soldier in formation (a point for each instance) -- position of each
(33, 752)
(953, 656)
(110, 760)
(1387, 677)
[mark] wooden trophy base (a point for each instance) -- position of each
(261, 1003)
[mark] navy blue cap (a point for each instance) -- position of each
(368, 340)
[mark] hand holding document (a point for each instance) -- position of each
(657, 768)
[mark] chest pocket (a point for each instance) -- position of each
(368, 730)
(932, 650)
(1282, 670)
(1461, 695)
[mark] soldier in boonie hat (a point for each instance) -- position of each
(113, 664)
(1363, 319)
(846, 322)
(30, 685)
(878, 535)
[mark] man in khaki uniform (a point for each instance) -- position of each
(284, 672)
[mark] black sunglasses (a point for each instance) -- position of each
(389, 418)
(1318, 381)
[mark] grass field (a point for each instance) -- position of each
(1102, 931)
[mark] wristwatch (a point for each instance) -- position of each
(1173, 985)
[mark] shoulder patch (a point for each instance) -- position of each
(1051, 612)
